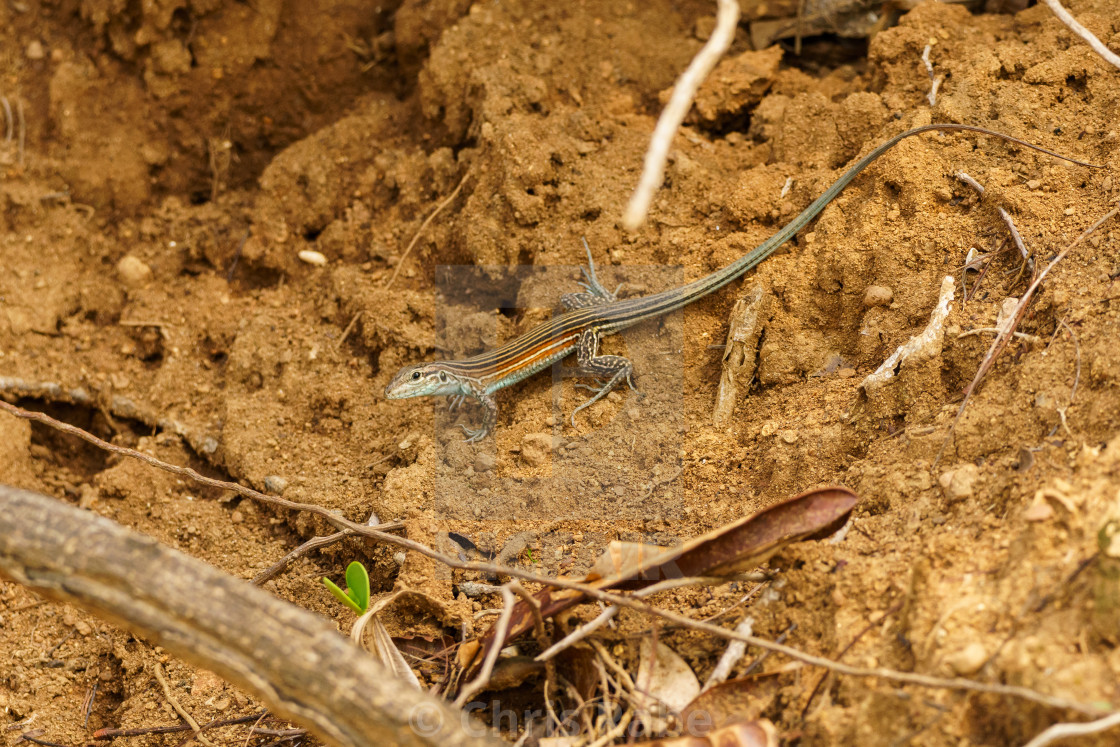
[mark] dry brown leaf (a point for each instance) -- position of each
(734, 701)
(736, 547)
(759, 733)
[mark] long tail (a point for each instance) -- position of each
(720, 278)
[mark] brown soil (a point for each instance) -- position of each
(178, 156)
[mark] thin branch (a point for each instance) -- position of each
(1001, 339)
(22, 128)
(727, 18)
(1065, 731)
(183, 714)
(578, 634)
(1065, 17)
(1014, 233)
(314, 543)
(592, 592)
(971, 182)
(996, 330)
(420, 231)
(934, 80)
(731, 655)
(144, 731)
(9, 121)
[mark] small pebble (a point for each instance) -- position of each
(1069, 211)
(35, 50)
(960, 483)
(877, 295)
(398, 558)
(968, 660)
(311, 257)
(536, 448)
(133, 272)
(789, 436)
(1034, 184)
(1106, 185)
(275, 484)
(484, 462)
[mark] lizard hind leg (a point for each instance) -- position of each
(614, 368)
(594, 294)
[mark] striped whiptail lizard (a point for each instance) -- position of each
(597, 312)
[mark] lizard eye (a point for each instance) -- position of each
(416, 376)
(443, 376)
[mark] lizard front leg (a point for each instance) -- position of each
(489, 417)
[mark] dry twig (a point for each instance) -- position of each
(1013, 322)
(727, 18)
(590, 591)
(1065, 731)
(1067, 18)
(934, 81)
(183, 714)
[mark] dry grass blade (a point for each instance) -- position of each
(1005, 332)
(424, 225)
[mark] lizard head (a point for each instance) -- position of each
(425, 380)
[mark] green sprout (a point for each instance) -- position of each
(356, 596)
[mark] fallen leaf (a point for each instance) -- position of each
(665, 685)
(759, 733)
(732, 701)
(736, 547)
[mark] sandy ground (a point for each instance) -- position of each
(177, 157)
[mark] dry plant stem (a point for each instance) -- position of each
(293, 660)
(9, 123)
(22, 128)
(934, 81)
(331, 517)
(653, 172)
(1005, 334)
(996, 330)
(578, 634)
(106, 734)
(424, 225)
(314, 543)
(167, 693)
(1066, 731)
(621, 600)
(971, 182)
(615, 733)
(478, 684)
(731, 655)
(1014, 233)
(1065, 17)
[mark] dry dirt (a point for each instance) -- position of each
(173, 158)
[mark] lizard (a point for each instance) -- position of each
(597, 312)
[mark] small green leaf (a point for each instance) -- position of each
(357, 581)
(341, 595)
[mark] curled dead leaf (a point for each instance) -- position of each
(735, 547)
